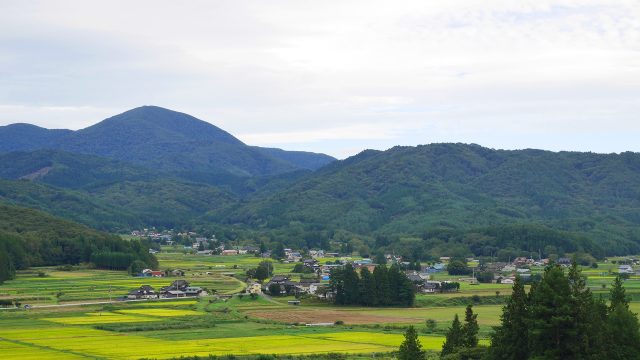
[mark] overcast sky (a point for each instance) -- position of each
(335, 76)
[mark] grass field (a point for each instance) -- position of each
(239, 326)
(74, 286)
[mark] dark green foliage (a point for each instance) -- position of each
(618, 295)
(510, 340)
(458, 267)
(561, 319)
(470, 328)
(275, 290)
(278, 252)
(167, 141)
(455, 338)
(7, 269)
(411, 349)
(262, 271)
(32, 238)
(567, 200)
(136, 267)
(384, 287)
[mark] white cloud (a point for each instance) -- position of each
(336, 74)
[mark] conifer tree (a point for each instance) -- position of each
(617, 295)
(367, 288)
(623, 331)
(552, 326)
(411, 349)
(470, 328)
(510, 340)
(382, 285)
(454, 339)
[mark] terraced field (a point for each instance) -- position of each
(74, 286)
(72, 335)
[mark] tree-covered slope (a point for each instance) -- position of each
(164, 141)
(68, 170)
(19, 137)
(33, 238)
(411, 190)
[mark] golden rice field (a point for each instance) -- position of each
(160, 312)
(104, 344)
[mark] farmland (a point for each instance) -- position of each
(241, 325)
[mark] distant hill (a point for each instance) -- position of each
(20, 137)
(33, 238)
(301, 159)
(164, 141)
(414, 190)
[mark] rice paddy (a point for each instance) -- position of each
(201, 327)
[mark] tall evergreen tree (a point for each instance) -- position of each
(411, 349)
(510, 340)
(618, 295)
(7, 270)
(454, 339)
(622, 329)
(383, 293)
(470, 328)
(552, 326)
(367, 288)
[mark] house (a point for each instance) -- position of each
(146, 272)
(564, 261)
(180, 285)
(429, 287)
(254, 288)
(229, 252)
(508, 268)
(177, 272)
(194, 291)
(507, 281)
(174, 294)
(522, 271)
(143, 292)
(205, 252)
(157, 273)
(445, 258)
(625, 269)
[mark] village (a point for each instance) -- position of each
(312, 269)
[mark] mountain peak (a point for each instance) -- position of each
(163, 125)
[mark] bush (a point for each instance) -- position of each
(339, 322)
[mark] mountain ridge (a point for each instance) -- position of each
(164, 140)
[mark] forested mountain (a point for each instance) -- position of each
(155, 167)
(68, 170)
(164, 141)
(19, 137)
(414, 190)
(32, 238)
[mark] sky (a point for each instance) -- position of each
(335, 76)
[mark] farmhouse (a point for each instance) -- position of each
(143, 292)
(177, 272)
(625, 269)
(229, 252)
(254, 288)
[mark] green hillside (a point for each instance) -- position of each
(414, 190)
(164, 141)
(32, 238)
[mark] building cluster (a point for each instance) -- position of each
(177, 289)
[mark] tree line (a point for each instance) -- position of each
(32, 238)
(382, 287)
(558, 319)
